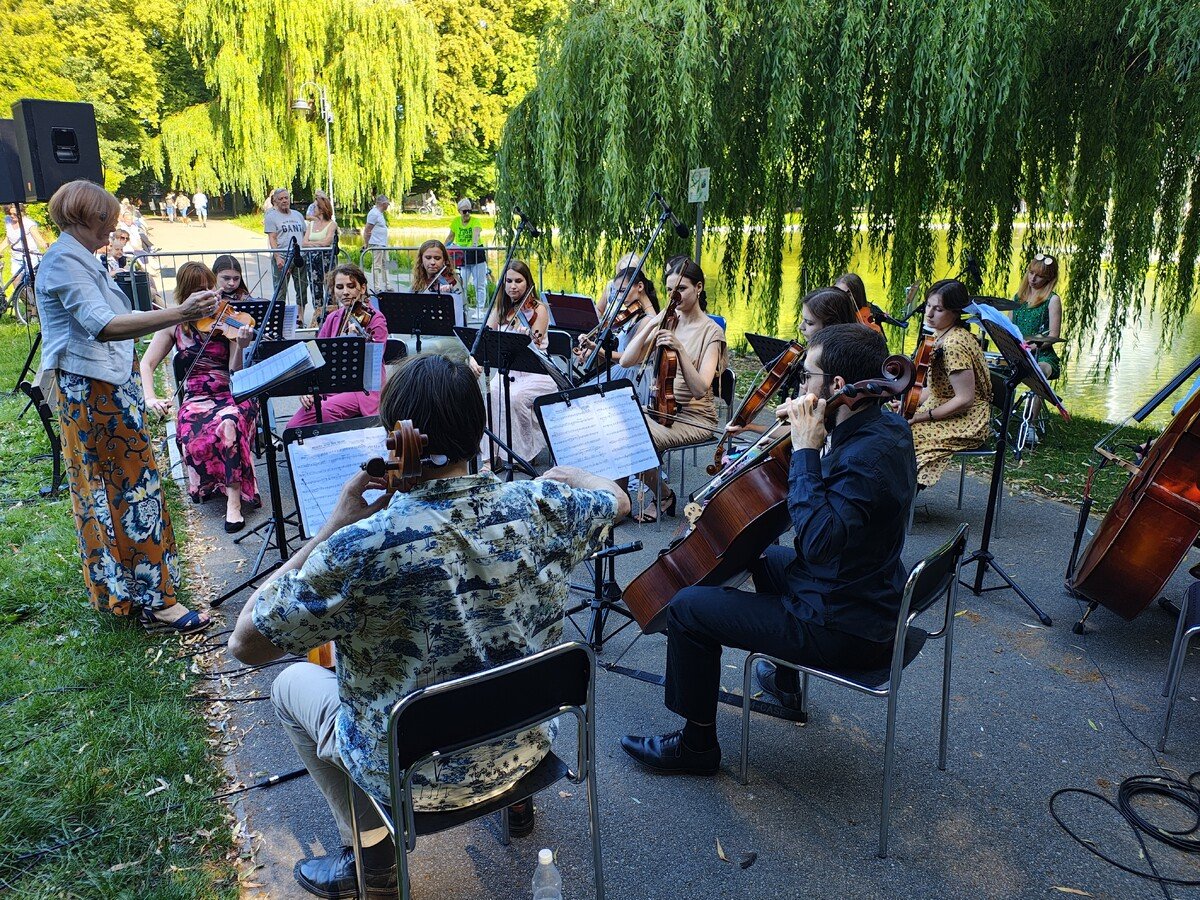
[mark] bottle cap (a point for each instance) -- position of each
(546, 856)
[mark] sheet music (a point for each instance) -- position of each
(322, 464)
(575, 432)
(290, 316)
(291, 362)
(373, 366)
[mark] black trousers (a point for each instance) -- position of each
(702, 620)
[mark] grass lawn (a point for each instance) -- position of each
(94, 714)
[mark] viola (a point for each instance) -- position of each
(743, 510)
(776, 374)
(662, 404)
(227, 319)
(922, 359)
(402, 469)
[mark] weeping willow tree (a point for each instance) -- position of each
(823, 121)
(374, 58)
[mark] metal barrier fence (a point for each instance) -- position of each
(391, 268)
(260, 268)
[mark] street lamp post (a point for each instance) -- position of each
(303, 105)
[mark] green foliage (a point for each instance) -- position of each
(375, 61)
(888, 114)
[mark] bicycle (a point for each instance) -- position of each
(17, 293)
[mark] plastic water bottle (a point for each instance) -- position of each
(547, 883)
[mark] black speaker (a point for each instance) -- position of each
(57, 143)
(12, 189)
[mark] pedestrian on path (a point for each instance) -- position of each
(169, 203)
(200, 201)
(182, 204)
(375, 239)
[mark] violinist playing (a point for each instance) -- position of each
(214, 432)
(831, 599)
(699, 345)
(461, 573)
(520, 311)
(641, 302)
(354, 317)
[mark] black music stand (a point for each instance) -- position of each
(506, 352)
(345, 369)
(1022, 368)
(767, 349)
(417, 314)
(272, 328)
(572, 312)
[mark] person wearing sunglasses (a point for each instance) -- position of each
(956, 404)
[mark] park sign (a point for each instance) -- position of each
(698, 181)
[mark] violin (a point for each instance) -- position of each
(227, 319)
(780, 371)
(402, 469)
(592, 360)
(356, 319)
(922, 359)
(743, 510)
(662, 405)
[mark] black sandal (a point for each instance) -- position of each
(191, 623)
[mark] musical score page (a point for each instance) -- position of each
(373, 366)
(323, 463)
(293, 361)
(603, 434)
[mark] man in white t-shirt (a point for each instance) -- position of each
(375, 239)
(282, 223)
(200, 202)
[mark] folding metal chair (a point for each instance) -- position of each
(1188, 628)
(934, 577)
(449, 718)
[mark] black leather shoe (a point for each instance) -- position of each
(768, 681)
(666, 753)
(520, 818)
(333, 877)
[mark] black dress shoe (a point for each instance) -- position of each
(768, 680)
(520, 818)
(666, 753)
(333, 877)
(234, 527)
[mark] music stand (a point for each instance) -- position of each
(572, 312)
(273, 328)
(768, 349)
(321, 458)
(506, 352)
(418, 314)
(570, 421)
(345, 369)
(1022, 369)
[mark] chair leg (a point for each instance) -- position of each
(594, 821)
(744, 770)
(804, 695)
(942, 737)
(356, 838)
(962, 477)
(1173, 660)
(505, 831)
(402, 884)
(889, 748)
(912, 511)
(1173, 690)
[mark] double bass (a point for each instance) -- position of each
(402, 470)
(744, 509)
(1152, 524)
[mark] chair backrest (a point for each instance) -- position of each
(720, 320)
(476, 709)
(936, 574)
(395, 350)
(558, 343)
(725, 387)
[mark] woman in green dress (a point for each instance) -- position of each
(1040, 310)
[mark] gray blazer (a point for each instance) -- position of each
(76, 298)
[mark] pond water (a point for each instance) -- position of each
(1146, 363)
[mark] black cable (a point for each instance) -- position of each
(57, 690)
(205, 698)
(246, 670)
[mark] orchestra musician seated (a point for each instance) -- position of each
(230, 283)
(831, 599)
(354, 317)
(461, 573)
(852, 284)
(955, 410)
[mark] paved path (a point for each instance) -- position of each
(1032, 710)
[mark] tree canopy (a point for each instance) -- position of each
(879, 117)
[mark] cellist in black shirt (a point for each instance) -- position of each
(833, 599)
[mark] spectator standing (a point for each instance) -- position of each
(182, 205)
(114, 257)
(465, 233)
(321, 235)
(169, 203)
(281, 224)
(375, 239)
(312, 207)
(200, 202)
(14, 242)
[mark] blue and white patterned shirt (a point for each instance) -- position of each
(456, 576)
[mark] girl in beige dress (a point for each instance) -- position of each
(956, 403)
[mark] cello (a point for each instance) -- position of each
(776, 375)
(402, 470)
(1152, 524)
(744, 509)
(661, 406)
